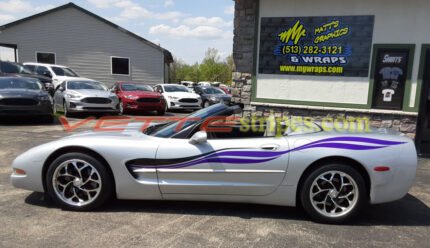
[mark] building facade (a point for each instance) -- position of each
(336, 59)
(94, 47)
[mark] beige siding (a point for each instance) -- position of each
(85, 44)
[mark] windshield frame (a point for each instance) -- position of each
(85, 81)
(165, 87)
(32, 80)
(150, 89)
(168, 130)
(64, 69)
(220, 91)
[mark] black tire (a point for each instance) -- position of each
(360, 202)
(206, 104)
(106, 188)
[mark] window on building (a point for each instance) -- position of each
(46, 58)
(391, 73)
(120, 66)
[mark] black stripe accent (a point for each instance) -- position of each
(150, 162)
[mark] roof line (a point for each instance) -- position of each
(167, 54)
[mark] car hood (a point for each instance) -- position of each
(91, 93)
(21, 93)
(142, 93)
(182, 94)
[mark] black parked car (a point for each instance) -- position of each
(211, 95)
(22, 96)
(14, 69)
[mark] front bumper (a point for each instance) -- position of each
(144, 106)
(77, 106)
(177, 104)
(41, 109)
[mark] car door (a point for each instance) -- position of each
(247, 166)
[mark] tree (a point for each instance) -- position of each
(212, 69)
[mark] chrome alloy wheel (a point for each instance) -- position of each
(334, 194)
(76, 182)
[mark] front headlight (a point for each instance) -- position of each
(131, 97)
(72, 96)
(173, 97)
(44, 98)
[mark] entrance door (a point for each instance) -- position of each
(423, 128)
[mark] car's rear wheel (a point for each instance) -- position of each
(333, 193)
(79, 182)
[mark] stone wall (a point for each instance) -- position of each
(244, 34)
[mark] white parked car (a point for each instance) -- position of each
(58, 73)
(179, 97)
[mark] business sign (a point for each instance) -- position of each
(322, 46)
(390, 78)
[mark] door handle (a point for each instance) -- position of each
(270, 147)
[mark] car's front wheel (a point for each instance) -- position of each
(79, 182)
(333, 193)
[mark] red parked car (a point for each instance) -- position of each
(138, 97)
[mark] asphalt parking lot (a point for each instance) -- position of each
(27, 220)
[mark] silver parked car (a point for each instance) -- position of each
(331, 174)
(83, 95)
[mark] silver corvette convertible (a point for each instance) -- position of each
(331, 174)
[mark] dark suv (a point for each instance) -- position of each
(15, 69)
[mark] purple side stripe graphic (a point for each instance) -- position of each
(257, 157)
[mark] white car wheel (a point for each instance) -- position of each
(333, 193)
(206, 104)
(78, 181)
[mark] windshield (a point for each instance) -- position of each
(13, 68)
(202, 114)
(136, 87)
(61, 71)
(212, 91)
(20, 83)
(175, 88)
(84, 85)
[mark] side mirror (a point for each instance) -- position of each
(199, 138)
(61, 88)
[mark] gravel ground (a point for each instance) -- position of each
(26, 220)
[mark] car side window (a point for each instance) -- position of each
(43, 71)
(30, 67)
(159, 89)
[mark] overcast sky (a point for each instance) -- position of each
(185, 27)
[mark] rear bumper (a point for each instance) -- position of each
(394, 184)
